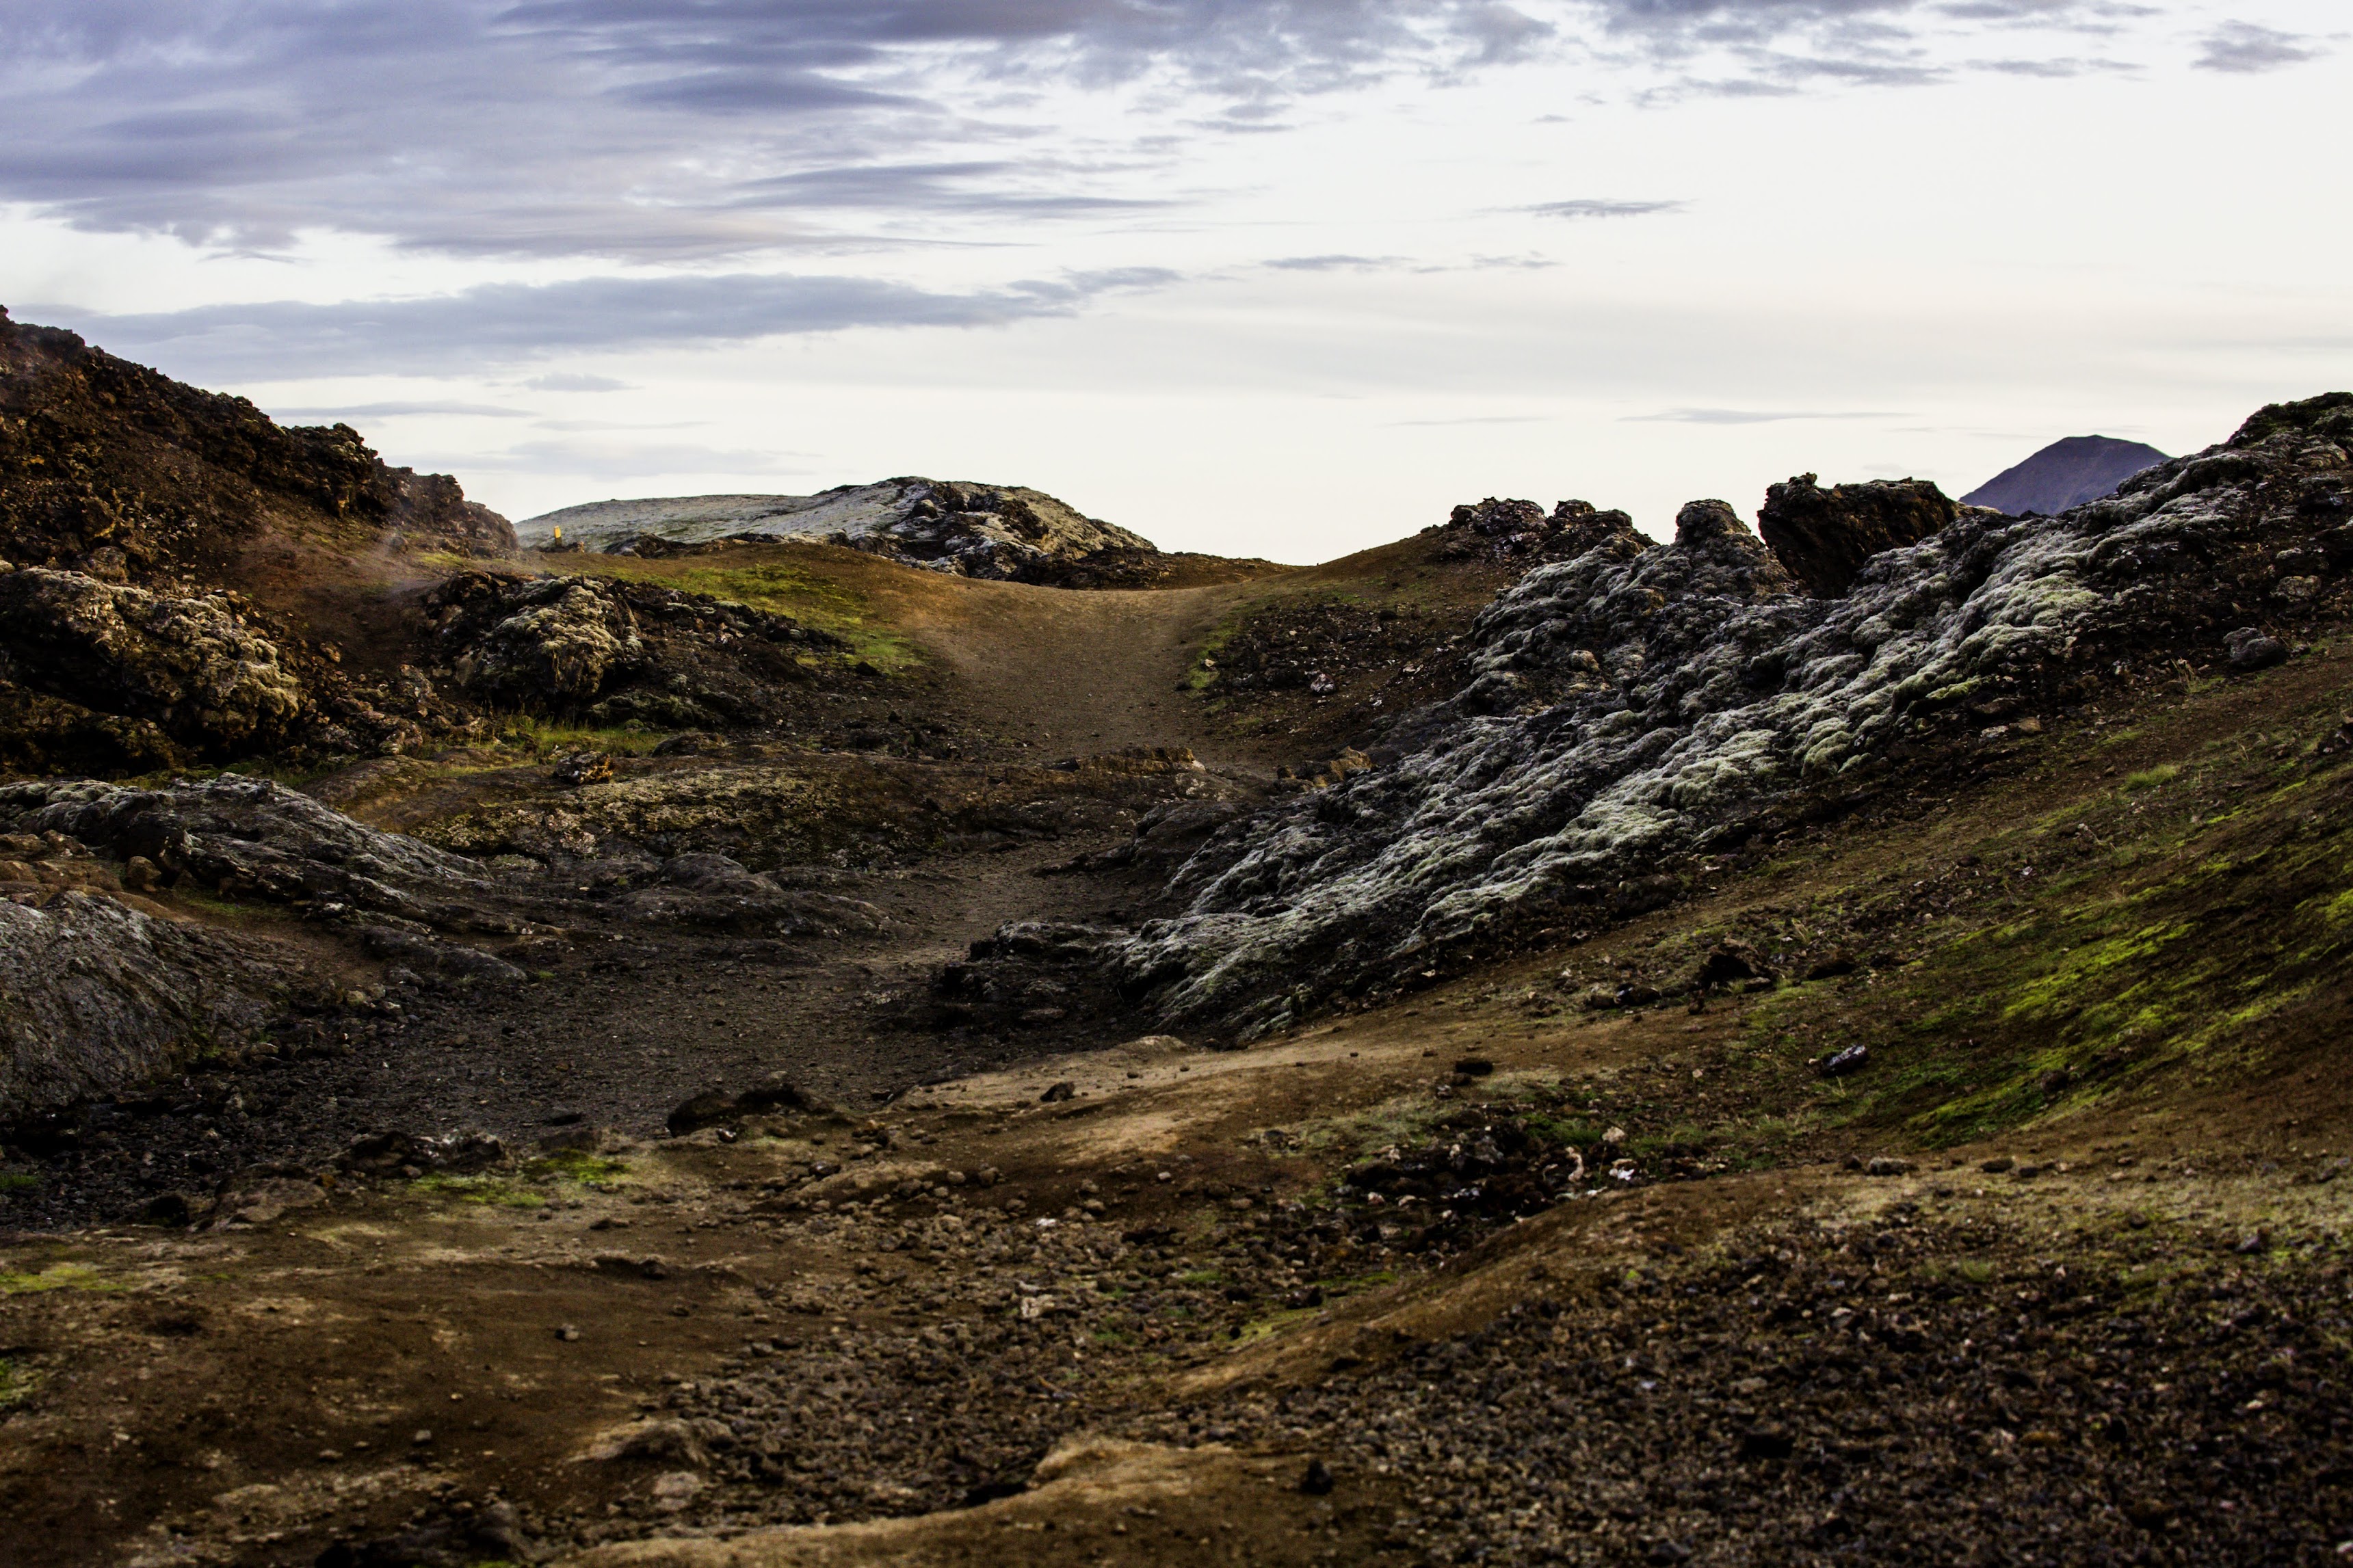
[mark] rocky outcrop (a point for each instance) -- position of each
(111, 468)
(616, 650)
(1644, 704)
(100, 677)
(1504, 530)
(2064, 474)
(193, 666)
(1824, 536)
(1000, 531)
(96, 997)
(255, 838)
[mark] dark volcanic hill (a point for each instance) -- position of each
(116, 469)
(2063, 474)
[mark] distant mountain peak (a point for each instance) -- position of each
(2063, 474)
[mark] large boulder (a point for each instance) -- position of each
(556, 638)
(1824, 536)
(96, 997)
(615, 650)
(255, 837)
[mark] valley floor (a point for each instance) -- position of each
(1529, 1267)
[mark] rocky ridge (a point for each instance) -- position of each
(1641, 706)
(1006, 532)
(112, 468)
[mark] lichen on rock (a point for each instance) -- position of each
(1643, 703)
(194, 665)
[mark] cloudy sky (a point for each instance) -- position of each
(1267, 277)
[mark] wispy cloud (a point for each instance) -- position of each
(1585, 207)
(504, 322)
(574, 381)
(1332, 263)
(1748, 416)
(607, 459)
(399, 411)
(2245, 48)
(2056, 68)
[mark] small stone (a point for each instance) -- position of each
(1667, 1552)
(1474, 1067)
(1065, 1089)
(1997, 1165)
(567, 1333)
(1317, 1479)
(2250, 650)
(1852, 1059)
(1885, 1166)
(583, 768)
(1767, 1441)
(421, 1437)
(167, 1209)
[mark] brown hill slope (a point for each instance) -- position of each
(111, 468)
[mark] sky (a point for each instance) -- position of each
(1285, 279)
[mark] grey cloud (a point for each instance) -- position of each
(504, 322)
(1744, 416)
(963, 188)
(1780, 47)
(687, 130)
(574, 381)
(1590, 207)
(2244, 48)
(2056, 70)
(1502, 33)
(1332, 263)
(346, 411)
(641, 128)
(606, 461)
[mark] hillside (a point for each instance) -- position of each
(2064, 474)
(1528, 1043)
(109, 468)
(1006, 533)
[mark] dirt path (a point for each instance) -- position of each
(1085, 672)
